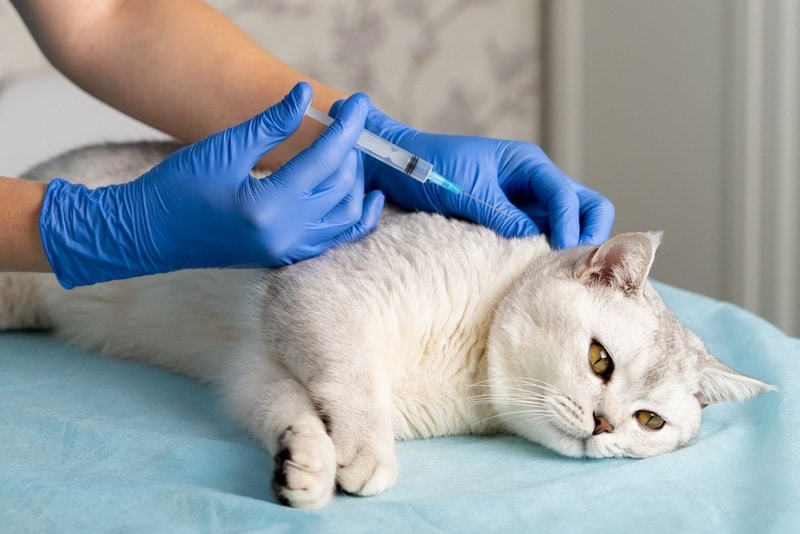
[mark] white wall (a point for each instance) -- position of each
(684, 114)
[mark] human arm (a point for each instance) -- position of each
(180, 66)
(20, 244)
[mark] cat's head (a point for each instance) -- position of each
(586, 359)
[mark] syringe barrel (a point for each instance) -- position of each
(384, 151)
(394, 156)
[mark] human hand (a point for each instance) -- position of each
(200, 207)
(532, 195)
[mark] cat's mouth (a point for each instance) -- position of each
(570, 431)
(568, 441)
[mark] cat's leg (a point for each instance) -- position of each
(355, 403)
(304, 455)
(277, 411)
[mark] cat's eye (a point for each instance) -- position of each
(650, 420)
(601, 362)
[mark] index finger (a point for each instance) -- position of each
(597, 217)
(553, 189)
(312, 166)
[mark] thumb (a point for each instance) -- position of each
(336, 107)
(251, 139)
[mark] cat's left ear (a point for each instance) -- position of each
(720, 383)
(622, 262)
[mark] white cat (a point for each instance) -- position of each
(428, 327)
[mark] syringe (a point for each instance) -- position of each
(394, 156)
(402, 160)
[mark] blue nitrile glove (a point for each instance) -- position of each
(200, 207)
(517, 178)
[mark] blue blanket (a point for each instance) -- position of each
(88, 444)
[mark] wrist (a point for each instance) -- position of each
(85, 235)
(20, 244)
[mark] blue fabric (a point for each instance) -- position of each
(88, 444)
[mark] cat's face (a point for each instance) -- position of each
(585, 358)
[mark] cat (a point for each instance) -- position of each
(427, 327)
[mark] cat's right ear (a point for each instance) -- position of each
(622, 262)
(720, 383)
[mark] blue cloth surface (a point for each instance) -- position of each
(94, 445)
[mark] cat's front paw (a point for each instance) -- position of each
(371, 471)
(305, 468)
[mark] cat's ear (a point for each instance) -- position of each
(719, 383)
(622, 262)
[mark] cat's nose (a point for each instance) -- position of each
(601, 425)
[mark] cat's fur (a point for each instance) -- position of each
(428, 327)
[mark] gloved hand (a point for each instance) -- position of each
(200, 207)
(515, 177)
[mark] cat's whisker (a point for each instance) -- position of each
(488, 419)
(523, 381)
(528, 411)
(529, 404)
(537, 389)
(523, 419)
(525, 415)
(516, 391)
(514, 401)
(538, 384)
(520, 394)
(509, 394)
(532, 416)
(522, 391)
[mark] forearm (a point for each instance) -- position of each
(20, 243)
(179, 66)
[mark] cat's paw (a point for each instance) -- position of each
(369, 472)
(305, 468)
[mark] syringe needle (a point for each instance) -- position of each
(453, 187)
(494, 208)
